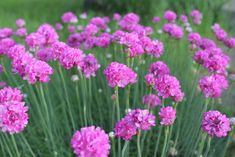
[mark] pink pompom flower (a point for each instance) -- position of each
(183, 18)
(5, 32)
(197, 16)
(20, 23)
(21, 32)
(6, 44)
(170, 16)
(158, 69)
(215, 123)
(156, 19)
(90, 142)
(230, 42)
(120, 75)
(167, 115)
(10, 94)
(35, 40)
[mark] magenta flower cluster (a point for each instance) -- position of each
(119, 75)
(151, 100)
(13, 112)
(90, 142)
(167, 115)
(135, 121)
(215, 123)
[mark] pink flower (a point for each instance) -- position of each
(58, 48)
(170, 16)
(71, 57)
(71, 29)
(15, 51)
(183, 18)
(13, 116)
(99, 22)
(151, 100)
(155, 49)
(168, 86)
(167, 115)
(197, 16)
(58, 26)
(212, 86)
(21, 32)
(103, 40)
(215, 123)
(49, 34)
(20, 23)
(128, 21)
(150, 79)
(116, 16)
(5, 45)
(10, 94)
(89, 65)
(90, 142)
(120, 75)
(207, 43)
(135, 120)
(38, 71)
(74, 40)
(194, 38)
(35, 40)
(158, 69)
(230, 42)
(221, 34)
(173, 30)
(156, 19)
(44, 54)
(69, 17)
(5, 32)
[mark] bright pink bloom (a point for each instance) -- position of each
(10, 94)
(74, 40)
(99, 22)
(170, 16)
(116, 16)
(71, 57)
(159, 69)
(35, 40)
(151, 100)
(207, 43)
(58, 48)
(13, 116)
(20, 23)
(221, 34)
(49, 34)
(5, 32)
(173, 30)
(230, 42)
(129, 21)
(69, 17)
(15, 51)
(134, 121)
(167, 115)
(89, 65)
(5, 45)
(38, 71)
(120, 75)
(215, 123)
(90, 142)
(21, 32)
(58, 26)
(168, 86)
(212, 86)
(44, 54)
(155, 48)
(71, 29)
(103, 40)
(149, 79)
(194, 38)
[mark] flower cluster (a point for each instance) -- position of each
(89, 65)
(215, 123)
(212, 86)
(120, 75)
(13, 112)
(90, 142)
(170, 16)
(167, 115)
(197, 16)
(173, 30)
(133, 122)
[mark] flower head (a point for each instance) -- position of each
(170, 16)
(167, 115)
(158, 69)
(10, 94)
(20, 22)
(120, 75)
(151, 100)
(89, 65)
(90, 142)
(69, 17)
(215, 123)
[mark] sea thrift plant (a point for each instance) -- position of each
(215, 123)
(151, 100)
(90, 142)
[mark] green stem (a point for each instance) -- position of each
(15, 145)
(118, 116)
(201, 146)
(124, 148)
(138, 144)
(208, 147)
(164, 150)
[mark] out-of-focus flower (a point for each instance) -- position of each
(215, 123)
(5, 45)
(183, 18)
(170, 16)
(197, 16)
(20, 23)
(69, 17)
(58, 26)
(5, 32)
(151, 100)
(90, 142)
(156, 19)
(21, 32)
(116, 16)
(89, 65)
(230, 42)
(158, 69)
